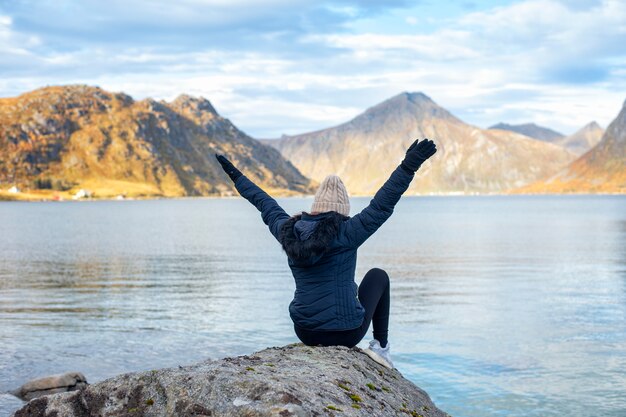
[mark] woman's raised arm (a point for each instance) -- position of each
(360, 227)
(272, 214)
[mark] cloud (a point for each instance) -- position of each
(286, 66)
(551, 31)
(448, 44)
(12, 42)
(537, 48)
(541, 38)
(185, 23)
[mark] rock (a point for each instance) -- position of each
(290, 381)
(70, 381)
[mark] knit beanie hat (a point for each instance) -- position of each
(331, 196)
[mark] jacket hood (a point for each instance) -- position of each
(303, 229)
(305, 238)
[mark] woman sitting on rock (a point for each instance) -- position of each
(328, 308)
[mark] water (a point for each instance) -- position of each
(501, 306)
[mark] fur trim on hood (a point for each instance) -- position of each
(307, 240)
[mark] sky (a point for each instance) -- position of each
(278, 67)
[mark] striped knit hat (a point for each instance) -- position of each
(331, 196)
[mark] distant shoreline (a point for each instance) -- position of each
(6, 197)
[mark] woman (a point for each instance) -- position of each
(328, 308)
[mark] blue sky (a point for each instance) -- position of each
(291, 66)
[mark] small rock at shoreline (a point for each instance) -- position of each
(53, 384)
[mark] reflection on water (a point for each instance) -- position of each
(501, 306)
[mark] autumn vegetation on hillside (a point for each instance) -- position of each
(56, 140)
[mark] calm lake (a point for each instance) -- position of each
(501, 306)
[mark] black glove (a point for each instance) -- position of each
(228, 167)
(417, 153)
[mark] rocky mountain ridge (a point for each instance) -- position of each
(531, 130)
(63, 139)
(577, 143)
(364, 151)
(600, 170)
(583, 139)
(78, 136)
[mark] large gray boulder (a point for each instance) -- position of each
(294, 380)
(70, 381)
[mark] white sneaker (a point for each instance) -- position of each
(379, 354)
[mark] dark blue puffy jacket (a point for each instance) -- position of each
(326, 295)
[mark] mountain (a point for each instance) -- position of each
(365, 150)
(71, 137)
(600, 170)
(577, 143)
(531, 130)
(583, 140)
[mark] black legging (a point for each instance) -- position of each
(374, 297)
